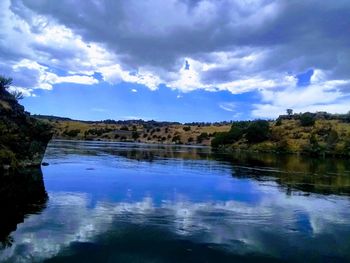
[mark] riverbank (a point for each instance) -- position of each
(23, 139)
(314, 137)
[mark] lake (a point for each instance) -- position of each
(125, 202)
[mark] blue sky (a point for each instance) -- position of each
(130, 101)
(179, 60)
(133, 101)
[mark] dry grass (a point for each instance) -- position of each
(113, 132)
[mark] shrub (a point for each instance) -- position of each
(72, 133)
(312, 148)
(203, 136)
(176, 139)
(7, 158)
(278, 122)
(220, 138)
(258, 131)
(186, 128)
(307, 119)
(236, 132)
(332, 139)
(135, 135)
(347, 147)
(282, 145)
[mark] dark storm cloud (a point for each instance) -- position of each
(295, 34)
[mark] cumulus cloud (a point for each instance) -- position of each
(238, 46)
(320, 95)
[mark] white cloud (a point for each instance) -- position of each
(98, 110)
(320, 95)
(25, 92)
(147, 43)
(134, 90)
(228, 106)
(114, 74)
(78, 79)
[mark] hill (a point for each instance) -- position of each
(308, 133)
(135, 130)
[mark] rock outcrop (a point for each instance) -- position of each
(23, 139)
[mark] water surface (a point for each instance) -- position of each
(119, 202)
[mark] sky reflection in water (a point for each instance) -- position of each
(124, 202)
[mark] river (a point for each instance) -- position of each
(125, 202)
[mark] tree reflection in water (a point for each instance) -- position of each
(21, 194)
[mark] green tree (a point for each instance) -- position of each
(307, 119)
(202, 136)
(135, 135)
(258, 131)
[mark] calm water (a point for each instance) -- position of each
(115, 202)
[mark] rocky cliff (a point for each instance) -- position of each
(23, 139)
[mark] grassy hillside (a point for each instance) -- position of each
(312, 135)
(135, 131)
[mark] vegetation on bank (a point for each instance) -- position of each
(135, 131)
(23, 139)
(307, 133)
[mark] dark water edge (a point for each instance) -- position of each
(294, 172)
(126, 202)
(22, 193)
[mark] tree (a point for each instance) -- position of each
(135, 135)
(202, 136)
(307, 119)
(289, 112)
(258, 131)
(5, 83)
(18, 95)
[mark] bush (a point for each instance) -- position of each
(72, 133)
(347, 147)
(7, 158)
(236, 132)
(186, 128)
(222, 138)
(332, 139)
(135, 135)
(219, 139)
(203, 136)
(176, 139)
(258, 131)
(307, 119)
(278, 122)
(313, 148)
(282, 145)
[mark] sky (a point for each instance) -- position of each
(177, 60)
